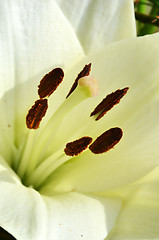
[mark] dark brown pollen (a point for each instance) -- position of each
(106, 141)
(85, 72)
(76, 147)
(36, 113)
(50, 82)
(109, 102)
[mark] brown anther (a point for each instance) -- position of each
(85, 72)
(109, 102)
(36, 113)
(106, 141)
(76, 147)
(50, 82)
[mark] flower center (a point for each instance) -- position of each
(38, 159)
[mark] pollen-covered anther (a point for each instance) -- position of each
(76, 147)
(109, 102)
(36, 113)
(106, 141)
(50, 82)
(90, 82)
(85, 72)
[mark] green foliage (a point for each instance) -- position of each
(155, 2)
(146, 12)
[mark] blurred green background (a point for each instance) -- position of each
(147, 16)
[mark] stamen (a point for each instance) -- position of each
(85, 72)
(109, 102)
(46, 136)
(36, 113)
(50, 82)
(106, 141)
(76, 147)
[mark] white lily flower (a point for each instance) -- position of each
(46, 194)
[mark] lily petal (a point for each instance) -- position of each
(139, 218)
(6, 173)
(98, 23)
(76, 215)
(35, 36)
(27, 215)
(16, 205)
(137, 114)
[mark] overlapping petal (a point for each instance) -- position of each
(98, 23)
(35, 36)
(139, 217)
(22, 207)
(6, 173)
(67, 216)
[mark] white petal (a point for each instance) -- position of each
(76, 216)
(35, 36)
(6, 173)
(139, 218)
(6, 126)
(23, 212)
(98, 23)
(128, 63)
(27, 215)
